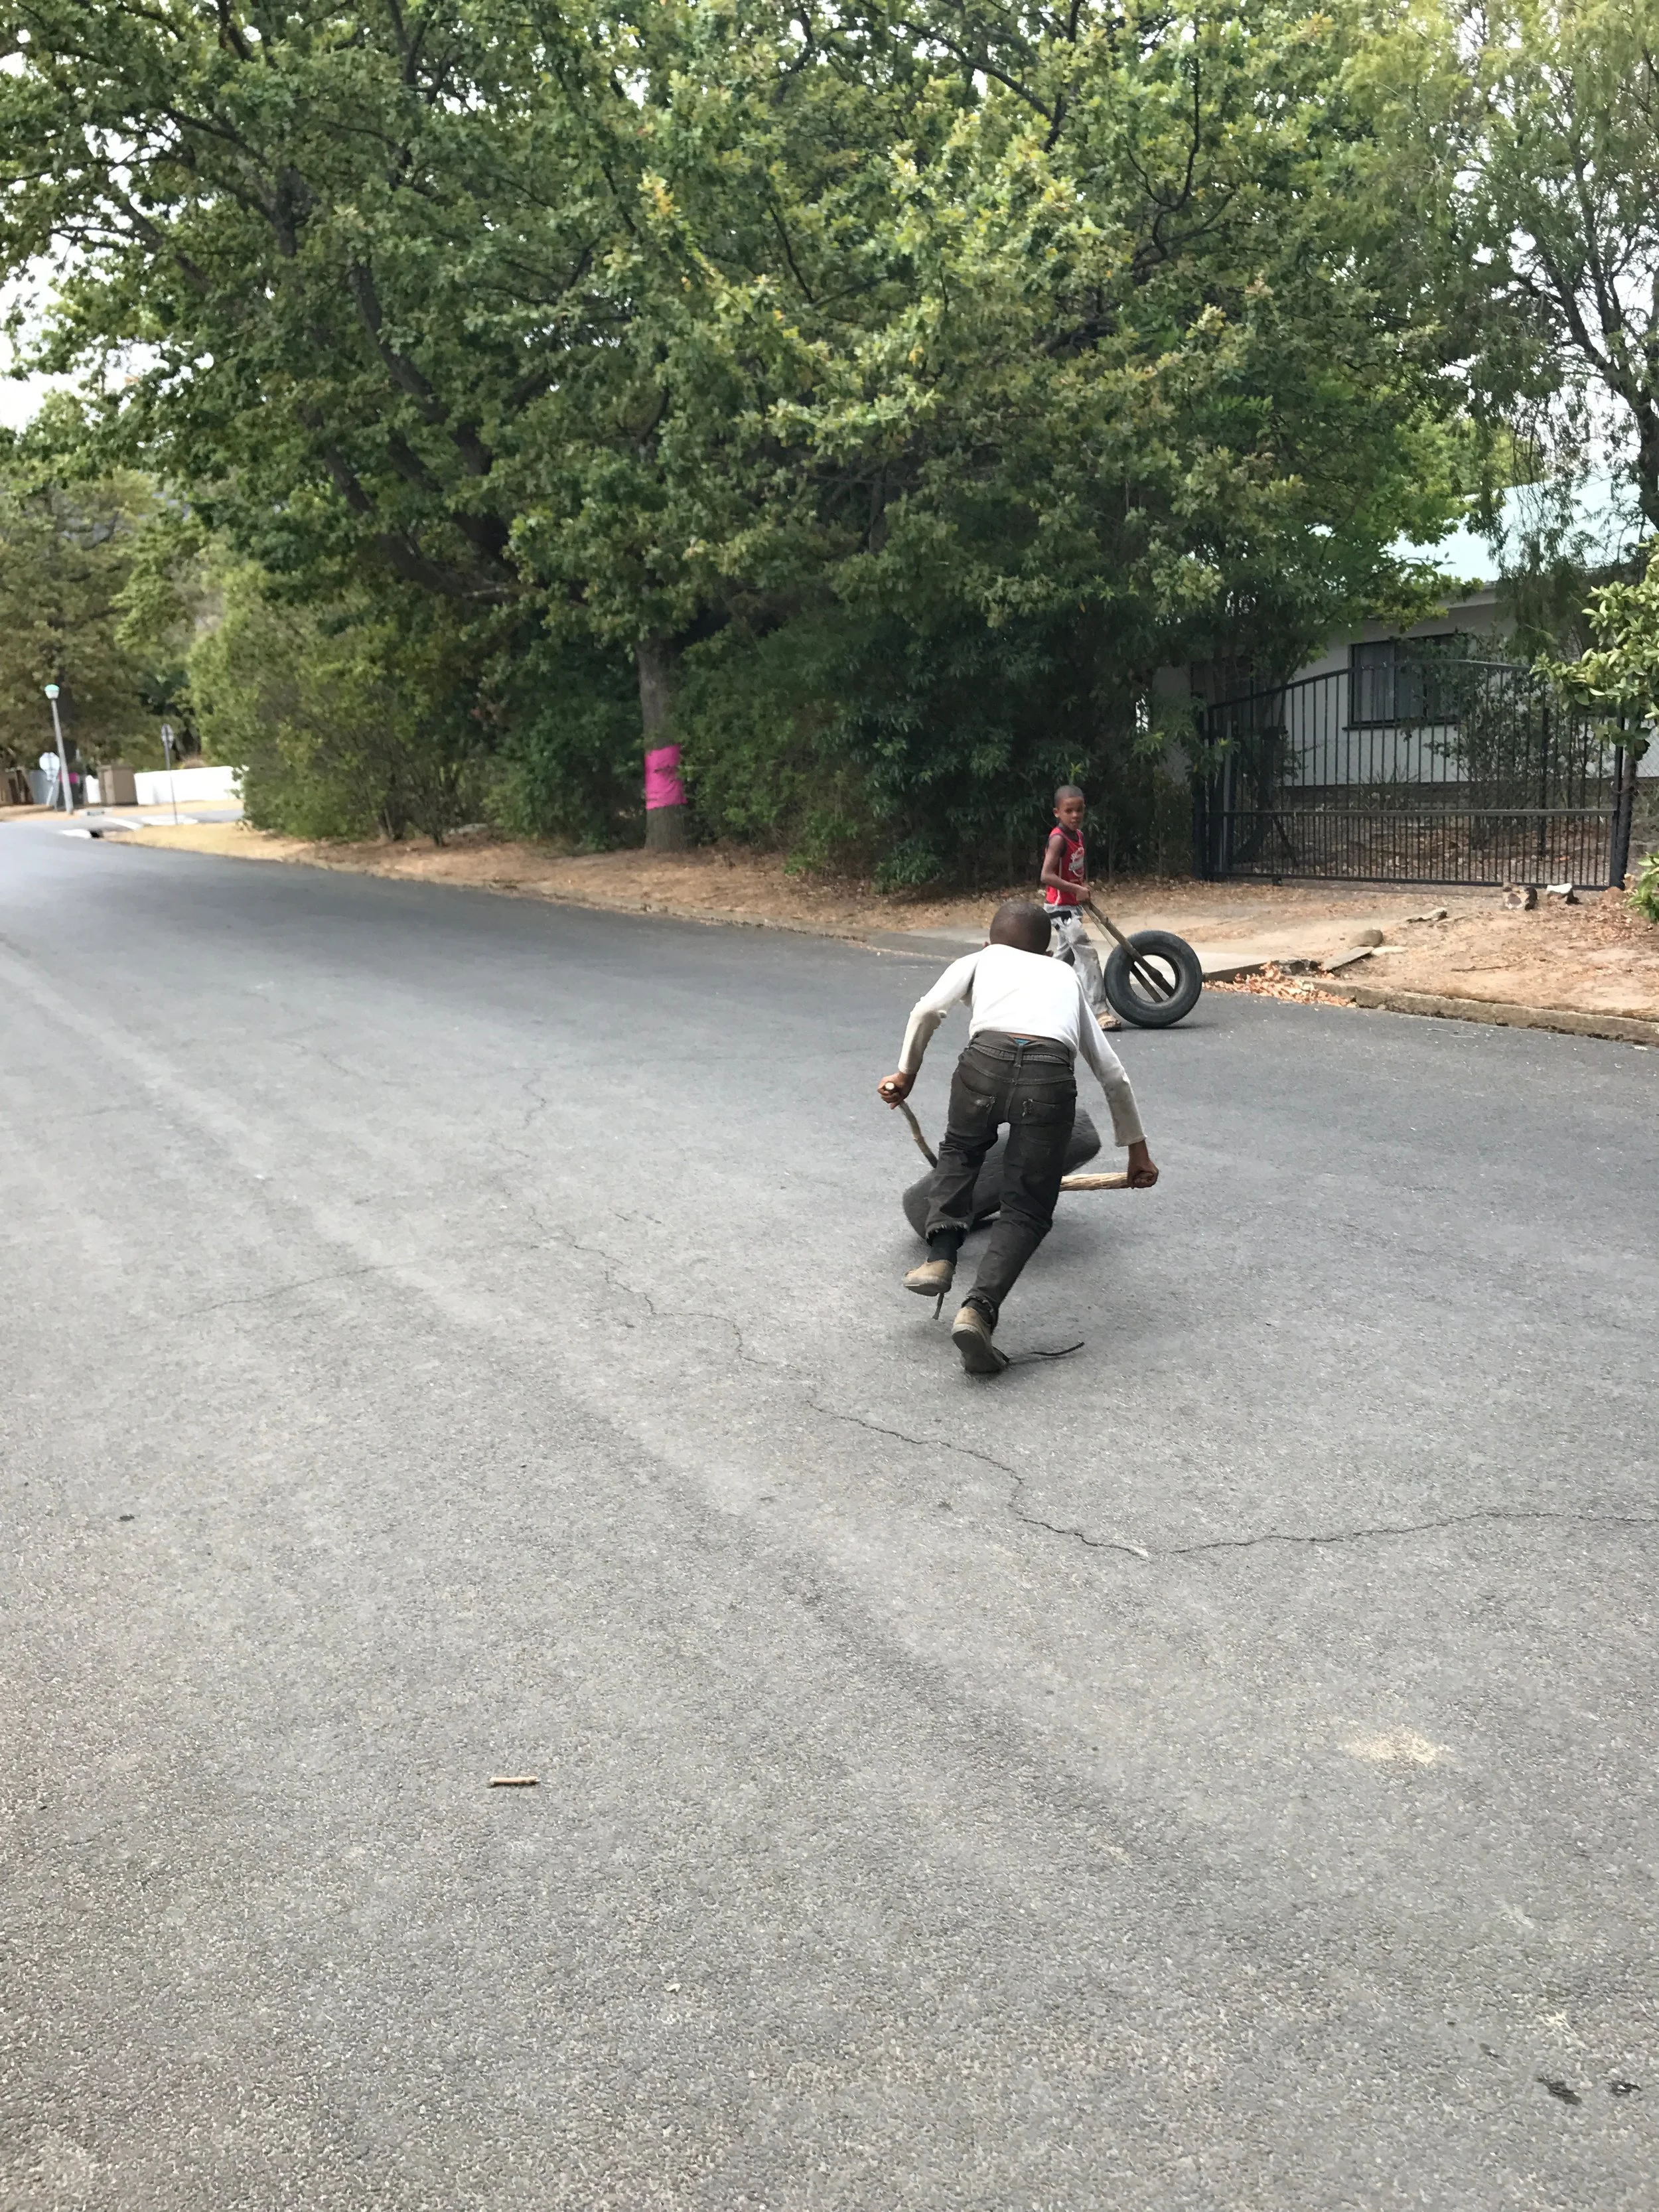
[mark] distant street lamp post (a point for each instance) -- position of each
(166, 747)
(62, 758)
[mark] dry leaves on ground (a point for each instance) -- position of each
(1274, 981)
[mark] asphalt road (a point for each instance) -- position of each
(449, 1336)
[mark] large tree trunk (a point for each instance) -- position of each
(664, 794)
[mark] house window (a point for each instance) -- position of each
(1404, 679)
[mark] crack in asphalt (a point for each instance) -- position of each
(281, 1290)
(539, 1106)
(1075, 1532)
(1413, 1529)
(610, 1266)
(988, 1459)
(343, 1068)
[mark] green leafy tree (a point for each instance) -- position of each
(1620, 672)
(993, 357)
(1533, 154)
(66, 559)
(346, 722)
(1618, 675)
(356, 248)
(165, 601)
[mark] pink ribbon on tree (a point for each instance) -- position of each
(663, 785)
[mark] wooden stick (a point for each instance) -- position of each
(1119, 1181)
(1149, 979)
(513, 1781)
(922, 1145)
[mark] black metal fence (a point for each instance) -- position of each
(1428, 768)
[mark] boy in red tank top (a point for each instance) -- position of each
(1064, 881)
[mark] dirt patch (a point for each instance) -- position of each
(734, 884)
(1599, 957)
(1596, 958)
(700, 886)
(231, 839)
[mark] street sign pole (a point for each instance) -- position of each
(166, 747)
(62, 758)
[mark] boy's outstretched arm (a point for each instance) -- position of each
(1119, 1096)
(926, 1015)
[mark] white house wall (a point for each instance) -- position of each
(1422, 755)
(1477, 617)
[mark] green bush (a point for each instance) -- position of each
(345, 724)
(1644, 897)
(915, 754)
(921, 755)
(569, 754)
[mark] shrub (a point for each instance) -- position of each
(569, 760)
(922, 755)
(344, 723)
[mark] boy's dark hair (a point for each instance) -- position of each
(1021, 923)
(1069, 790)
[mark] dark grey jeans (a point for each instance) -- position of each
(1027, 1084)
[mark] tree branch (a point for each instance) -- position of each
(465, 436)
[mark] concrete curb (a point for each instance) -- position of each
(710, 917)
(1234, 971)
(1624, 1029)
(924, 943)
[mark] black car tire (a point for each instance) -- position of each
(1175, 963)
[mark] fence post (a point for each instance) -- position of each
(1201, 843)
(1544, 791)
(1203, 779)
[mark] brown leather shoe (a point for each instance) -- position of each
(931, 1279)
(971, 1332)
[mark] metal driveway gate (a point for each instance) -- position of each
(1413, 768)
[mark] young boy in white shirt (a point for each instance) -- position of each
(1028, 1019)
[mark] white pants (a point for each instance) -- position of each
(1070, 942)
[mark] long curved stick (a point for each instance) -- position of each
(922, 1145)
(1148, 978)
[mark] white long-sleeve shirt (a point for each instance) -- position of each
(1027, 994)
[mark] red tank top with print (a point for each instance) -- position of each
(1071, 864)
